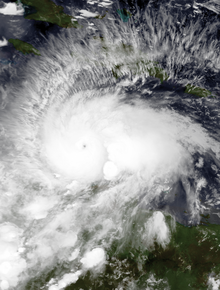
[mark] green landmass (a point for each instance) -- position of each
(48, 11)
(192, 254)
(100, 16)
(159, 73)
(197, 91)
(140, 67)
(186, 263)
(23, 47)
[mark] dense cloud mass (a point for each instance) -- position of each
(87, 134)
(92, 148)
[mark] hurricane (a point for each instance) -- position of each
(110, 156)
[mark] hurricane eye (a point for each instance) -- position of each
(81, 145)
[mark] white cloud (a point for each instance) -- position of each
(94, 258)
(3, 42)
(157, 230)
(12, 9)
(86, 13)
(11, 264)
(39, 207)
(214, 283)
